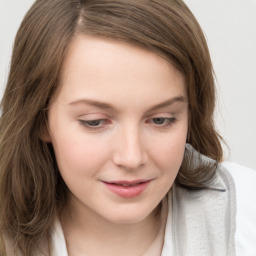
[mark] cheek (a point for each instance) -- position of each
(78, 164)
(167, 158)
(170, 158)
(78, 155)
(168, 153)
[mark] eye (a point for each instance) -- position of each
(94, 124)
(162, 121)
(159, 120)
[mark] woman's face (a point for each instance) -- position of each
(118, 126)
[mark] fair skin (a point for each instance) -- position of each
(118, 126)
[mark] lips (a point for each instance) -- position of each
(127, 189)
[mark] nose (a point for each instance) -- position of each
(130, 152)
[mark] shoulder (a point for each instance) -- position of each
(58, 240)
(199, 216)
(242, 176)
(245, 184)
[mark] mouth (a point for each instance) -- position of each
(127, 189)
(127, 183)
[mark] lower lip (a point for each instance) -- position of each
(127, 192)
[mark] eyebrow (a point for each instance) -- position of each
(169, 102)
(107, 106)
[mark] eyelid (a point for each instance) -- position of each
(102, 123)
(168, 122)
(86, 124)
(166, 115)
(93, 116)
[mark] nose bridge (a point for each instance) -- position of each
(130, 152)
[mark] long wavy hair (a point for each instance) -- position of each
(32, 191)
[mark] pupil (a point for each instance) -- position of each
(94, 123)
(158, 120)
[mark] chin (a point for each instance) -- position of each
(132, 216)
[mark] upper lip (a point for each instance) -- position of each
(127, 182)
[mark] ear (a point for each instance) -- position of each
(44, 134)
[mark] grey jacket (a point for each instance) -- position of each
(203, 222)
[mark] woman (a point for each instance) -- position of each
(108, 145)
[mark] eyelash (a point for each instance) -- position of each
(169, 121)
(88, 124)
(98, 124)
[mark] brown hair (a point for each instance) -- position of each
(31, 189)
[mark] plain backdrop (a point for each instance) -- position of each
(230, 29)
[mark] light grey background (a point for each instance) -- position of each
(230, 29)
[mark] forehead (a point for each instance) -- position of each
(109, 69)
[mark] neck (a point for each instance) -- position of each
(87, 233)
